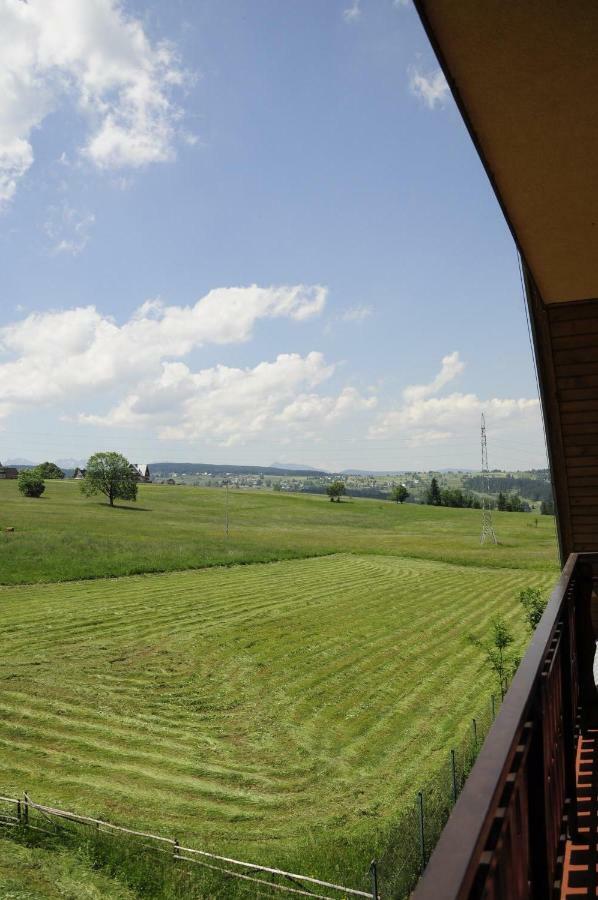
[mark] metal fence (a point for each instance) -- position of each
(411, 840)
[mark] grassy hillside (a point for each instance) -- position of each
(64, 535)
(253, 710)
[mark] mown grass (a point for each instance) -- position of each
(64, 536)
(282, 713)
(49, 870)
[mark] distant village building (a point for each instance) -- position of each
(8, 472)
(141, 472)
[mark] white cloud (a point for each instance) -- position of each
(423, 418)
(79, 351)
(227, 406)
(91, 53)
(356, 313)
(451, 367)
(221, 404)
(430, 87)
(68, 229)
(353, 12)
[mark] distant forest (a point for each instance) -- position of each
(532, 488)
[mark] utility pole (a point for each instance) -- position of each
(226, 509)
(488, 532)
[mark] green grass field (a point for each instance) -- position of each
(31, 873)
(282, 712)
(64, 535)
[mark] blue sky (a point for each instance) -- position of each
(247, 231)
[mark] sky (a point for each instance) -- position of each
(250, 231)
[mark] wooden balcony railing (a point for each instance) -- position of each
(506, 836)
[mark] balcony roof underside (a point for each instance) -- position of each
(526, 76)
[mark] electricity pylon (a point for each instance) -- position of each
(488, 532)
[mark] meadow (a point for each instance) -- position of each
(65, 536)
(284, 712)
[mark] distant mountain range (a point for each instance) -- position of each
(294, 467)
(168, 468)
(62, 463)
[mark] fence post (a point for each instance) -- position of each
(454, 776)
(175, 849)
(374, 879)
(422, 834)
(493, 701)
(475, 734)
(19, 811)
(25, 808)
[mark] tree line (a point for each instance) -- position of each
(534, 488)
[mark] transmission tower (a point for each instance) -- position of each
(488, 532)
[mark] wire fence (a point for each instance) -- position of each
(163, 868)
(410, 841)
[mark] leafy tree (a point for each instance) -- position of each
(533, 604)
(547, 508)
(433, 496)
(399, 493)
(501, 503)
(499, 653)
(49, 470)
(30, 483)
(336, 490)
(110, 474)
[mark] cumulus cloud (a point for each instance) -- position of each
(225, 405)
(423, 418)
(451, 367)
(429, 87)
(94, 55)
(74, 352)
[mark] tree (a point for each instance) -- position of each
(433, 496)
(30, 483)
(547, 508)
(49, 470)
(110, 474)
(533, 604)
(499, 655)
(399, 493)
(336, 490)
(501, 503)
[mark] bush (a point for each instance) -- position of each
(31, 484)
(534, 604)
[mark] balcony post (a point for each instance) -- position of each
(541, 889)
(569, 716)
(585, 640)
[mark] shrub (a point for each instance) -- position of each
(533, 604)
(31, 484)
